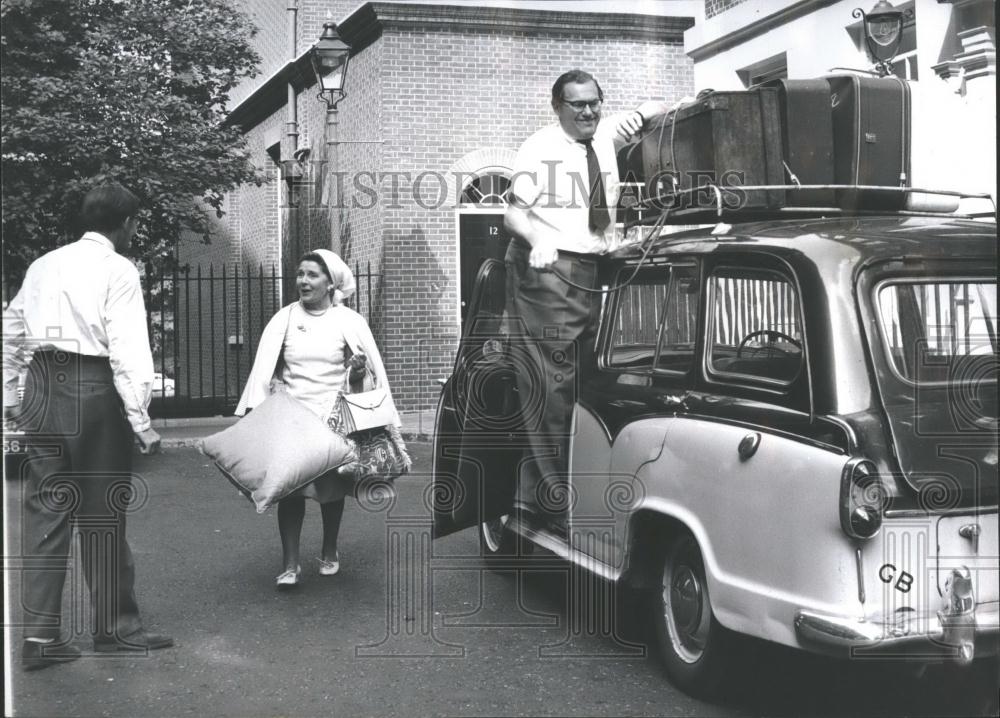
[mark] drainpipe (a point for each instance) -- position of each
(292, 126)
(292, 131)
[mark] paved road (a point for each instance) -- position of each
(388, 637)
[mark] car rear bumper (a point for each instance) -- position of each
(958, 632)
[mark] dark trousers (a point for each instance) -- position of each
(78, 472)
(560, 322)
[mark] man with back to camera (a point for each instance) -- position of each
(562, 214)
(78, 325)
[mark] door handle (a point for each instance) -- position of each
(971, 532)
(748, 445)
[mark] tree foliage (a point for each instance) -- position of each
(133, 91)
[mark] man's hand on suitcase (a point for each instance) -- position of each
(629, 124)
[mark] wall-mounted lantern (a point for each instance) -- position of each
(883, 28)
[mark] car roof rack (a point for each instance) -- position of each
(687, 206)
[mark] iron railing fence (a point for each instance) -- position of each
(205, 324)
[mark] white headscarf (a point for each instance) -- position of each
(344, 285)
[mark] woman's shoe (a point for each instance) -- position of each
(329, 568)
(289, 579)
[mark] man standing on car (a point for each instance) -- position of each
(78, 326)
(562, 214)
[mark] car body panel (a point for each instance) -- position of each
(753, 518)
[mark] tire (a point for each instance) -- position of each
(498, 545)
(694, 648)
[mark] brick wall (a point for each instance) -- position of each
(715, 7)
(313, 14)
(270, 42)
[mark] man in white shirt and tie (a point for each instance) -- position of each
(563, 195)
(78, 327)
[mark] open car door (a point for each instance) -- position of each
(476, 447)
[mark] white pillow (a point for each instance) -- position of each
(276, 449)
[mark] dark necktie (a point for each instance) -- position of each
(599, 217)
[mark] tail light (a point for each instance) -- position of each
(862, 499)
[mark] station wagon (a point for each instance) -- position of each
(790, 433)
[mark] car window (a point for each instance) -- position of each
(930, 326)
(636, 323)
(755, 326)
(680, 322)
(656, 319)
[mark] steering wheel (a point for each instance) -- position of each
(771, 336)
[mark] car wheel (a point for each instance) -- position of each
(497, 543)
(693, 646)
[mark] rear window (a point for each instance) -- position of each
(934, 330)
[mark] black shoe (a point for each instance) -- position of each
(35, 656)
(138, 642)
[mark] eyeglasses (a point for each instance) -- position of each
(581, 105)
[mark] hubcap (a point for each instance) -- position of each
(686, 611)
(493, 532)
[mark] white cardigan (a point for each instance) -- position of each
(356, 332)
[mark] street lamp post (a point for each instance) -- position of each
(329, 57)
(883, 28)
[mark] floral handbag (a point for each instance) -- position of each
(379, 456)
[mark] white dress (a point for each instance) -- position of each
(313, 372)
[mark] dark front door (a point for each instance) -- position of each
(481, 237)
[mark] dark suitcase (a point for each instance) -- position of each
(724, 138)
(871, 139)
(632, 178)
(630, 162)
(806, 139)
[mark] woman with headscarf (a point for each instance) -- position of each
(306, 349)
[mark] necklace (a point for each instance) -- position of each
(315, 314)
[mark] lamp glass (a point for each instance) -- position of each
(334, 77)
(329, 68)
(885, 30)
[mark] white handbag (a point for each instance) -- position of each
(360, 411)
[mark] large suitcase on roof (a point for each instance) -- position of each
(724, 138)
(871, 139)
(632, 177)
(806, 139)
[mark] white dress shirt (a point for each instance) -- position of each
(83, 298)
(550, 177)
